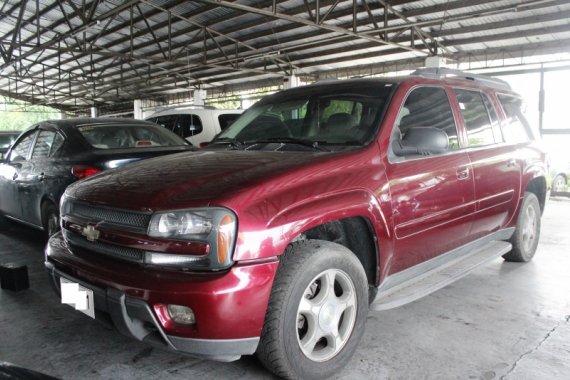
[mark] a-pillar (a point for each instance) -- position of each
(137, 109)
(199, 97)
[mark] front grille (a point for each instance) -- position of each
(113, 216)
(117, 252)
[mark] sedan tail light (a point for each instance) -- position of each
(83, 171)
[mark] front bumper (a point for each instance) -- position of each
(229, 319)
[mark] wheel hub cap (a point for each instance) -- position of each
(326, 315)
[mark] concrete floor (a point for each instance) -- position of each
(504, 321)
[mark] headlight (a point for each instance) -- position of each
(181, 224)
(215, 226)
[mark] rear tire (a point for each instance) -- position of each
(316, 312)
(50, 219)
(527, 231)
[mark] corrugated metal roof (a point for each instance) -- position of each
(118, 50)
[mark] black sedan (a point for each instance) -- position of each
(49, 156)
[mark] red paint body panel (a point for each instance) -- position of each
(216, 298)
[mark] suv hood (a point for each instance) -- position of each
(187, 179)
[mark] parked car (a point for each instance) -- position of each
(559, 174)
(7, 138)
(318, 204)
(50, 155)
(195, 124)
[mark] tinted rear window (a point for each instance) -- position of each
(121, 136)
(184, 125)
(227, 119)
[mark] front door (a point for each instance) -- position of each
(10, 172)
(39, 176)
(432, 195)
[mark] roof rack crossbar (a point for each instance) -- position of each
(443, 72)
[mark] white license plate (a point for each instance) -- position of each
(77, 296)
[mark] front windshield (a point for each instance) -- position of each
(325, 115)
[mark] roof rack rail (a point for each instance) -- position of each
(443, 72)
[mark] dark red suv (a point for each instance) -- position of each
(318, 204)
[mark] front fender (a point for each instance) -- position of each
(282, 228)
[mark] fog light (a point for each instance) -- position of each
(181, 314)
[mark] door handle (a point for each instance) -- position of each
(512, 162)
(462, 173)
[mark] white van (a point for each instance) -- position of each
(195, 124)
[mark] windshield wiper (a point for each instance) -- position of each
(230, 141)
(290, 140)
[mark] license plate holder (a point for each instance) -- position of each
(78, 296)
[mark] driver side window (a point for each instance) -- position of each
(425, 125)
(21, 148)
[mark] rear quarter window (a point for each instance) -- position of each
(184, 125)
(516, 128)
(227, 119)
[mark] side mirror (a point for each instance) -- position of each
(421, 141)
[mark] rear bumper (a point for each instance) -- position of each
(222, 306)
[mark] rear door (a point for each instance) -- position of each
(496, 171)
(432, 195)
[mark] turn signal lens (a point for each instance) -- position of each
(83, 171)
(226, 230)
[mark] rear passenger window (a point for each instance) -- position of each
(476, 118)
(184, 125)
(227, 119)
(47, 144)
(425, 124)
(516, 129)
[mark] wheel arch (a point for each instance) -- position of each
(537, 186)
(352, 219)
(44, 203)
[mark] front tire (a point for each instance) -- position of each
(316, 313)
(527, 231)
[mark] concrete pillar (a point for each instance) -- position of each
(62, 115)
(94, 111)
(137, 109)
(290, 82)
(199, 97)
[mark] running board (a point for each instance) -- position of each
(439, 276)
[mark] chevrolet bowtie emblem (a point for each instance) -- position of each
(90, 232)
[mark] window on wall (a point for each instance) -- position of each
(476, 118)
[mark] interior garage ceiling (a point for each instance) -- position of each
(74, 54)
